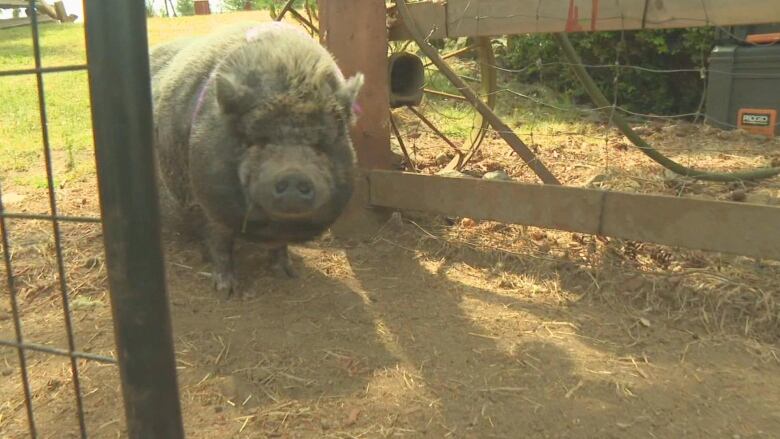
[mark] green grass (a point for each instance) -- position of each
(525, 113)
(67, 95)
(67, 100)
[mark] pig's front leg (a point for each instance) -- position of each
(220, 247)
(281, 264)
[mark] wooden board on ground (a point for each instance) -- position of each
(461, 18)
(7, 4)
(23, 21)
(727, 227)
(41, 6)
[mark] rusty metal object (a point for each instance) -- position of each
(472, 18)
(489, 82)
(444, 95)
(401, 143)
(503, 129)
(455, 53)
(407, 78)
(458, 153)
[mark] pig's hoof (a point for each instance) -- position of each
(225, 283)
(284, 270)
(205, 257)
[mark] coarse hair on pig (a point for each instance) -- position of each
(252, 138)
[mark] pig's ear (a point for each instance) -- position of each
(349, 91)
(233, 97)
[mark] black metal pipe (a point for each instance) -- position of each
(120, 91)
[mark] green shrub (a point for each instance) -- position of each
(540, 60)
(185, 7)
(233, 5)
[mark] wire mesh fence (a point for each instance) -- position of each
(117, 70)
(19, 342)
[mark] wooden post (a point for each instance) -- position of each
(355, 32)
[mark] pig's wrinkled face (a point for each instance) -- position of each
(292, 116)
(286, 182)
(294, 162)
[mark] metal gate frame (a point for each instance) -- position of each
(120, 90)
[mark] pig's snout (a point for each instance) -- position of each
(286, 183)
(295, 189)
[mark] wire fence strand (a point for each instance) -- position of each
(76, 379)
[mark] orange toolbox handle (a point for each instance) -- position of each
(763, 38)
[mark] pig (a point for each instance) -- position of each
(252, 139)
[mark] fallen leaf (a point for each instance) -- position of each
(538, 236)
(352, 418)
(468, 223)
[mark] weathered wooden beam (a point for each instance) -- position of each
(41, 5)
(14, 4)
(461, 18)
(10, 23)
(727, 227)
(355, 32)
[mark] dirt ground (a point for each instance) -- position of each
(437, 327)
